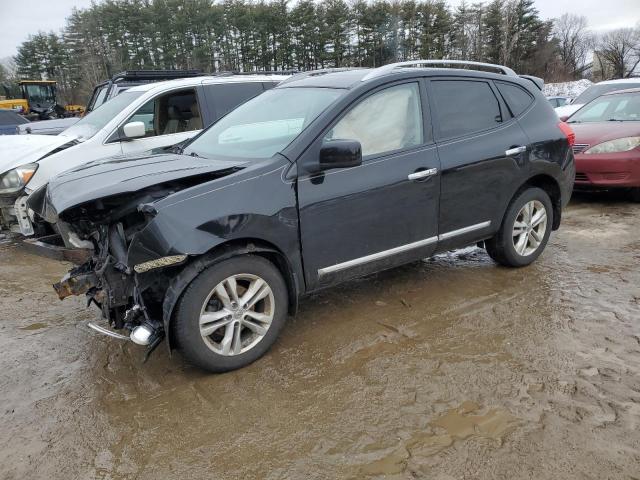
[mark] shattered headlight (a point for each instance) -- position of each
(614, 146)
(15, 180)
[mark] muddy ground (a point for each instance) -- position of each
(451, 368)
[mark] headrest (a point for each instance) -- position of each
(173, 113)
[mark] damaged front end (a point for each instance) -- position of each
(108, 211)
(129, 294)
(129, 297)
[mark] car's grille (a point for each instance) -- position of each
(580, 147)
(615, 175)
(581, 177)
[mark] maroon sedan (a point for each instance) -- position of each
(607, 146)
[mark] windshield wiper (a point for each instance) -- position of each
(615, 120)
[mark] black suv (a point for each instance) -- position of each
(329, 176)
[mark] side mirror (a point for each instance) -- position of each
(340, 154)
(134, 130)
(564, 118)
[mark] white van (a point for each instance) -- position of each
(142, 118)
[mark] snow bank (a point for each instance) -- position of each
(566, 89)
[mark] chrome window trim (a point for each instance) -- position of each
(402, 248)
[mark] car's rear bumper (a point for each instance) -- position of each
(608, 170)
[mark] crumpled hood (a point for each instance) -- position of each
(593, 133)
(127, 174)
(16, 150)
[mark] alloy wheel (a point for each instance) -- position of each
(237, 314)
(529, 228)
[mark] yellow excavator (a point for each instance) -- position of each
(37, 100)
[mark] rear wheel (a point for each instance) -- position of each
(231, 313)
(525, 229)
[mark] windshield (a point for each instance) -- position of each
(41, 95)
(98, 118)
(265, 125)
(621, 107)
(595, 91)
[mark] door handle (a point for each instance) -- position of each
(422, 174)
(515, 151)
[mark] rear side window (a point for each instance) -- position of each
(226, 97)
(464, 107)
(516, 98)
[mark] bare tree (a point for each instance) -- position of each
(574, 43)
(620, 51)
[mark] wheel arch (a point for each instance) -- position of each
(224, 251)
(552, 188)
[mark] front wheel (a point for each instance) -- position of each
(231, 313)
(525, 229)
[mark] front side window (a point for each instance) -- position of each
(174, 112)
(464, 107)
(264, 125)
(386, 121)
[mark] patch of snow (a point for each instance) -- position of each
(566, 89)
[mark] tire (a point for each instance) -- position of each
(512, 250)
(237, 338)
(634, 194)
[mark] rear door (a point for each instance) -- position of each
(482, 150)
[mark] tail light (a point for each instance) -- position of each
(568, 132)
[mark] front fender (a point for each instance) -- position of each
(259, 204)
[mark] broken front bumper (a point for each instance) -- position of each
(14, 214)
(52, 246)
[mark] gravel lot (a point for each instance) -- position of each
(450, 368)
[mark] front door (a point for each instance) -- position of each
(357, 220)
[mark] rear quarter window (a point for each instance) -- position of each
(516, 98)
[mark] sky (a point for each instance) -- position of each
(19, 18)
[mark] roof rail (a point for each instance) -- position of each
(316, 73)
(155, 74)
(385, 69)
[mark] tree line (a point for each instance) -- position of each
(277, 35)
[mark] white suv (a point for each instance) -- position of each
(140, 119)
